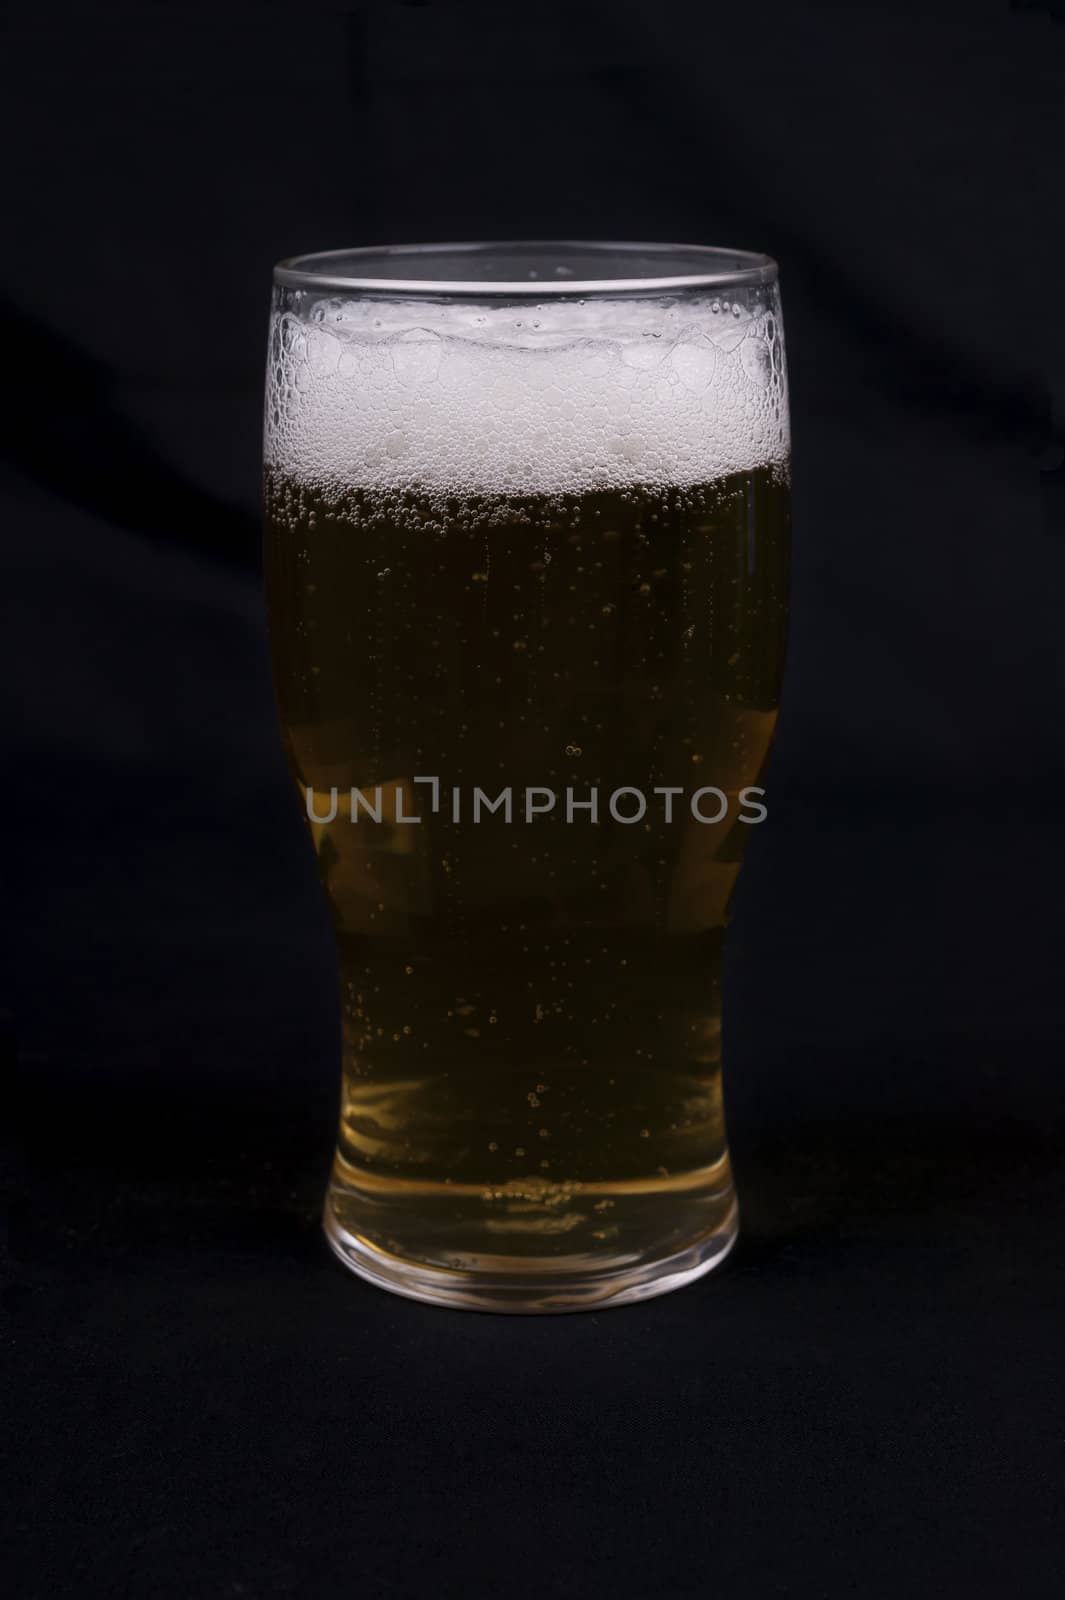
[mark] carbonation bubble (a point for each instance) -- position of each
(756, 360)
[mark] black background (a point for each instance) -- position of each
(867, 1400)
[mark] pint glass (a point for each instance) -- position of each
(526, 561)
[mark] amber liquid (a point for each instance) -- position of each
(531, 1009)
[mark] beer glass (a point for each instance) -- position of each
(526, 563)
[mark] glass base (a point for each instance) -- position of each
(535, 1289)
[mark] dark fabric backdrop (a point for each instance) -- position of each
(867, 1400)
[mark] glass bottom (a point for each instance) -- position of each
(535, 1289)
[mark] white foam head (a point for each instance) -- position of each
(562, 397)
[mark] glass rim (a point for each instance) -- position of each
(724, 268)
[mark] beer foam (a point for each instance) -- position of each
(565, 397)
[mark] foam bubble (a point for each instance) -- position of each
(558, 398)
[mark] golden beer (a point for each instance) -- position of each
(527, 686)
